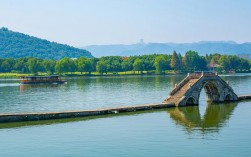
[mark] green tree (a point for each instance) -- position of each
(176, 63)
(192, 61)
(101, 67)
(34, 65)
(65, 65)
(160, 64)
(6, 66)
(93, 62)
(244, 65)
(224, 62)
(84, 65)
(1, 61)
(21, 65)
(126, 66)
(138, 65)
(115, 66)
(72, 66)
(249, 65)
(88, 66)
(148, 61)
(49, 66)
(113, 63)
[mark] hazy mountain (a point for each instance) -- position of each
(17, 45)
(203, 47)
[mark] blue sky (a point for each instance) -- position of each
(87, 22)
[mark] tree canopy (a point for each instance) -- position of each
(157, 63)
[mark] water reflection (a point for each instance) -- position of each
(215, 117)
(23, 88)
(72, 120)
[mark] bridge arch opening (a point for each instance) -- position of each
(208, 93)
(190, 101)
(212, 91)
(229, 97)
(202, 102)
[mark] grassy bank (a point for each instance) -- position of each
(17, 75)
(77, 74)
(12, 75)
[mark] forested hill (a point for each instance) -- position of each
(17, 45)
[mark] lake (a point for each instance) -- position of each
(204, 130)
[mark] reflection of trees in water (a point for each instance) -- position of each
(176, 79)
(38, 87)
(214, 118)
(81, 83)
(85, 83)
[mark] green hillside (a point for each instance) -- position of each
(17, 45)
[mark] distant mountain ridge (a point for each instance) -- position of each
(203, 47)
(18, 45)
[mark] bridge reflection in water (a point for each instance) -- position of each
(215, 117)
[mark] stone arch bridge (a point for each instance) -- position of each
(187, 92)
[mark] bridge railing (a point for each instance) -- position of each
(178, 86)
(210, 74)
(195, 75)
(206, 73)
(184, 81)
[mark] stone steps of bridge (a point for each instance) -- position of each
(186, 87)
(180, 93)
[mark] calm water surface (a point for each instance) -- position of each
(204, 130)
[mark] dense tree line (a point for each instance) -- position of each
(18, 45)
(157, 63)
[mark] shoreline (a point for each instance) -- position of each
(17, 75)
